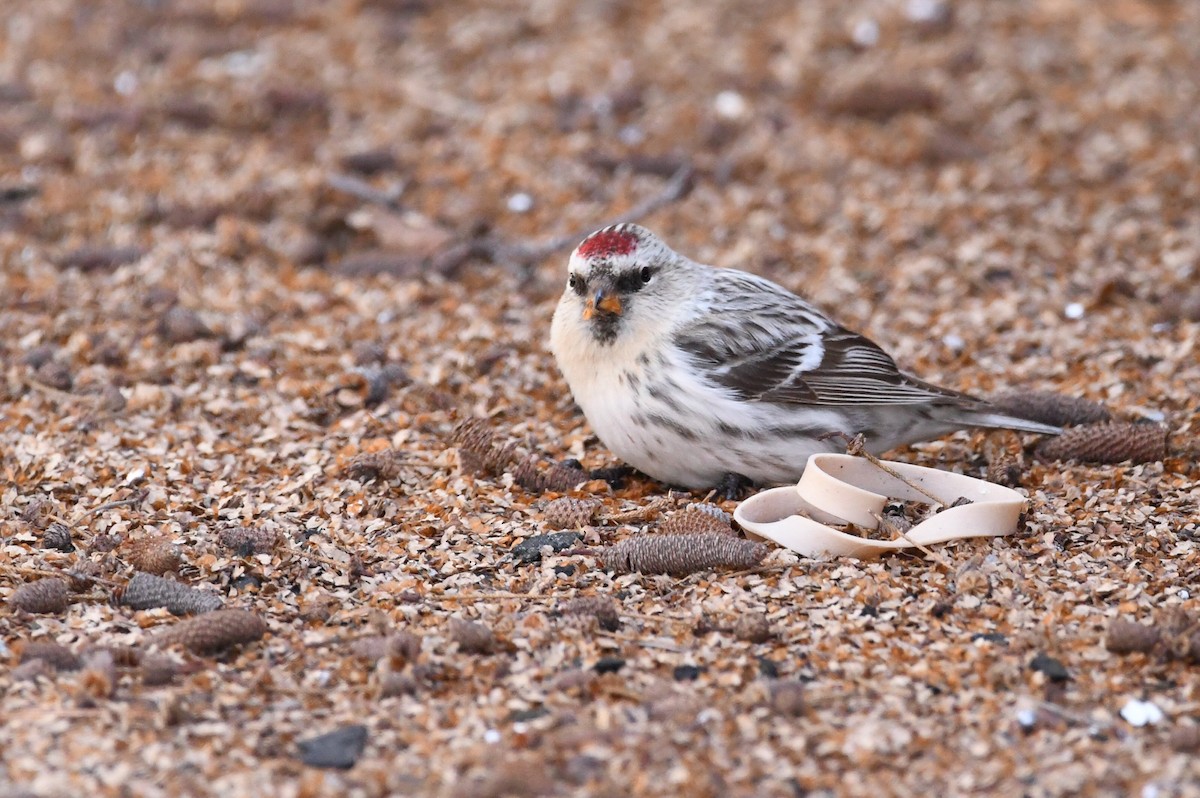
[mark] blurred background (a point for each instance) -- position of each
(1031, 162)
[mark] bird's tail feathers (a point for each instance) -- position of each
(988, 420)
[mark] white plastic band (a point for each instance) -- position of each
(841, 489)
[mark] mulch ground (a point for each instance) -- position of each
(262, 258)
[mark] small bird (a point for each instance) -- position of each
(704, 377)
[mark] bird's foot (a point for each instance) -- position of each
(731, 486)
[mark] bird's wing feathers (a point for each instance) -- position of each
(766, 344)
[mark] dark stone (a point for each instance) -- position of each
(1054, 669)
(530, 549)
(336, 749)
(526, 715)
(768, 668)
(687, 673)
(608, 665)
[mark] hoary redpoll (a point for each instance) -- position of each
(693, 374)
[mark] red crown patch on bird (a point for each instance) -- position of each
(610, 241)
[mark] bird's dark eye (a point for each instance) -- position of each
(576, 283)
(647, 273)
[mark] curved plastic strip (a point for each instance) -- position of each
(841, 489)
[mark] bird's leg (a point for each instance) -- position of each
(731, 486)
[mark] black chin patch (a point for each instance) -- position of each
(604, 327)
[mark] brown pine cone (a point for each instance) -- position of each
(682, 554)
(1125, 636)
(42, 596)
(1109, 442)
(152, 555)
(568, 513)
(697, 518)
(213, 632)
(1050, 408)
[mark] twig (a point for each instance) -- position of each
(134, 499)
(361, 189)
(855, 447)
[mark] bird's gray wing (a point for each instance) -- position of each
(766, 344)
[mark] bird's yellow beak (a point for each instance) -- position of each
(601, 302)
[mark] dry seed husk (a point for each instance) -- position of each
(472, 637)
(787, 698)
(1109, 442)
(753, 627)
(98, 676)
(58, 656)
(215, 631)
(147, 591)
(49, 595)
(682, 554)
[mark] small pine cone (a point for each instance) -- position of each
(567, 513)
(1051, 408)
(472, 433)
(403, 647)
(179, 325)
(602, 608)
(37, 513)
(30, 671)
(58, 536)
(384, 466)
(1110, 442)
(98, 676)
(103, 543)
(1125, 636)
(213, 632)
(787, 698)
(1005, 468)
(472, 637)
(477, 450)
(152, 555)
(679, 555)
(563, 477)
(54, 373)
(158, 670)
(247, 540)
(147, 591)
(42, 596)
(392, 684)
(1185, 739)
(59, 657)
(693, 520)
(752, 627)
(526, 475)
(371, 648)
(82, 575)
